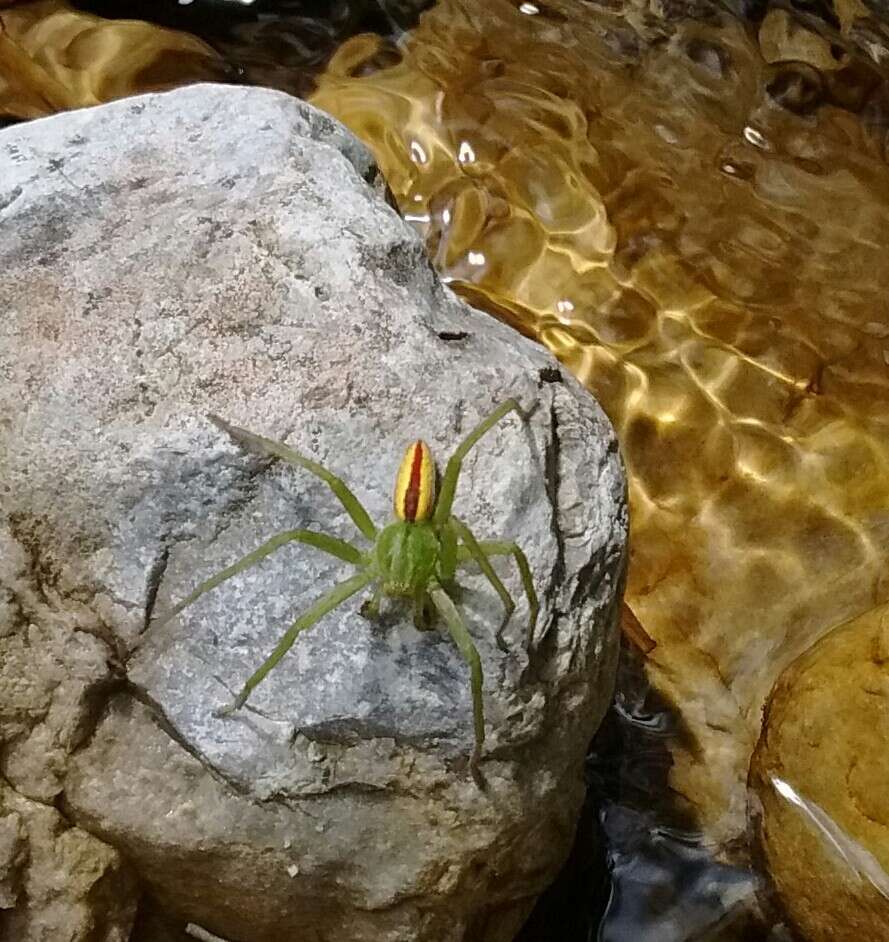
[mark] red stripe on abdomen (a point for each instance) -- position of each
(412, 494)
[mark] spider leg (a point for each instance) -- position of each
(327, 544)
(455, 462)
(476, 552)
(370, 608)
(508, 548)
(458, 632)
(447, 554)
(269, 447)
(422, 615)
(327, 603)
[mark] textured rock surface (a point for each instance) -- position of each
(236, 259)
(13, 849)
(54, 666)
(58, 883)
(820, 772)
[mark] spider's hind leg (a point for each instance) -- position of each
(455, 462)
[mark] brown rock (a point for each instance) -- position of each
(820, 771)
(53, 667)
(58, 883)
(13, 849)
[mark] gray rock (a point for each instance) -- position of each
(236, 257)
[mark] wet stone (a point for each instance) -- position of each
(819, 774)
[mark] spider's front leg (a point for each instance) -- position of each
(455, 462)
(453, 531)
(327, 603)
(260, 445)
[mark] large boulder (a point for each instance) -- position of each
(819, 776)
(236, 256)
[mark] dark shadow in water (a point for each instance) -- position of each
(153, 926)
(281, 44)
(638, 871)
(572, 908)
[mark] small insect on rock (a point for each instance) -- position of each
(413, 558)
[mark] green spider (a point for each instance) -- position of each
(415, 557)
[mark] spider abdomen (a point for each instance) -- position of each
(407, 554)
(415, 484)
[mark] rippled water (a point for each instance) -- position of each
(690, 207)
(54, 55)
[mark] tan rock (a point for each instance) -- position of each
(58, 883)
(53, 667)
(783, 38)
(13, 850)
(820, 771)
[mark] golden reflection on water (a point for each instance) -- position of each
(53, 58)
(699, 229)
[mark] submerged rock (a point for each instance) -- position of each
(54, 56)
(236, 257)
(820, 772)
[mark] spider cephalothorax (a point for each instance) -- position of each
(415, 557)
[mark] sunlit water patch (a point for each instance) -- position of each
(56, 55)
